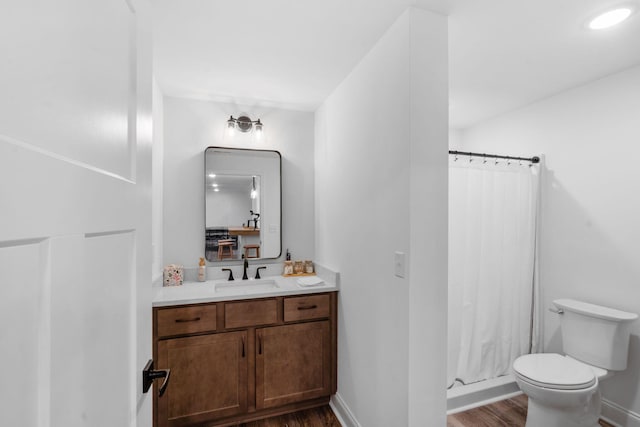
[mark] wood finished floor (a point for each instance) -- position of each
(316, 417)
(506, 413)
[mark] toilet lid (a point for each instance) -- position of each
(552, 370)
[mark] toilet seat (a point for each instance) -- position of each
(600, 373)
(554, 371)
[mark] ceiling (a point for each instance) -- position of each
(503, 54)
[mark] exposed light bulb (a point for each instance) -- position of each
(212, 175)
(258, 130)
(231, 126)
(610, 18)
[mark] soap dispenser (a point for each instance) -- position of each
(202, 271)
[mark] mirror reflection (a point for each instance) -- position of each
(242, 204)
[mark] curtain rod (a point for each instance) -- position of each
(534, 159)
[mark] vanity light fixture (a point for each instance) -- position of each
(610, 18)
(244, 124)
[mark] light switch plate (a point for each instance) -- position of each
(399, 263)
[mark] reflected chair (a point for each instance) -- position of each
(249, 248)
(225, 248)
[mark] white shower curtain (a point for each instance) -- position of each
(492, 261)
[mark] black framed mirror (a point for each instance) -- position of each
(243, 204)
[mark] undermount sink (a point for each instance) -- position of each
(247, 285)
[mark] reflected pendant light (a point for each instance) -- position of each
(253, 187)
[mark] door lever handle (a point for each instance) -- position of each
(149, 374)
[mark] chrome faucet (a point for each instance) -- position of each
(246, 266)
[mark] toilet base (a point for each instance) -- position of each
(539, 415)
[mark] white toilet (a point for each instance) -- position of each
(563, 390)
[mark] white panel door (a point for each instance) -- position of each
(75, 213)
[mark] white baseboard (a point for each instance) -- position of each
(619, 416)
(342, 411)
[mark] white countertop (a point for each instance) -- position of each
(210, 291)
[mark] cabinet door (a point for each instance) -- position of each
(208, 378)
(293, 363)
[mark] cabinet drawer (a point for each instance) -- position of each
(186, 320)
(250, 313)
(307, 307)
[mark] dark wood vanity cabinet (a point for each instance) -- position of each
(237, 361)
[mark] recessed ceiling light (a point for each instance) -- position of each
(610, 18)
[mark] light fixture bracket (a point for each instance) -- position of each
(244, 124)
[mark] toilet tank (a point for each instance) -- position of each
(595, 334)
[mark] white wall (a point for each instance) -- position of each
(590, 228)
(428, 207)
(156, 186)
(190, 126)
(232, 208)
(383, 127)
(455, 139)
